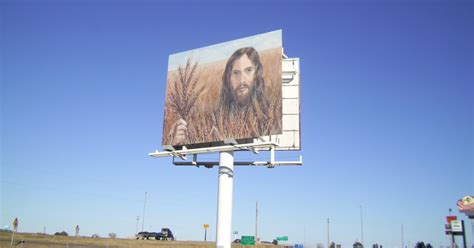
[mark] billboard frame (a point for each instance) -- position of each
(226, 159)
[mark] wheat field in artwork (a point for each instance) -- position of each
(193, 92)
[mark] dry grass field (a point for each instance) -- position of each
(196, 101)
(43, 241)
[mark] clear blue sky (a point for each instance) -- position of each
(387, 118)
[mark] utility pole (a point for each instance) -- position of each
(143, 220)
(136, 226)
(403, 242)
(304, 236)
(453, 244)
(361, 225)
(256, 222)
(328, 233)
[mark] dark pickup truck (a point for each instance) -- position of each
(165, 234)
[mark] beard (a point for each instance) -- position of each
(243, 93)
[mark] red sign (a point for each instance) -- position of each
(451, 218)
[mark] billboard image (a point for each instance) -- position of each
(466, 205)
(227, 90)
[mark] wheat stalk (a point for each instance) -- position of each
(185, 92)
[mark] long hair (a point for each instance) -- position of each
(254, 114)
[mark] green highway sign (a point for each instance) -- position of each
(248, 240)
(284, 238)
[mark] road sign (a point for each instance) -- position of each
(248, 240)
(456, 226)
(283, 238)
(205, 226)
(450, 218)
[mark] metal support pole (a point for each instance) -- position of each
(224, 199)
(463, 234)
(453, 244)
(472, 228)
(13, 237)
(403, 241)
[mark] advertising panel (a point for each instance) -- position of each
(466, 205)
(228, 90)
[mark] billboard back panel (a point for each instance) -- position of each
(290, 138)
(228, 90)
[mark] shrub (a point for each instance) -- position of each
(63, 233)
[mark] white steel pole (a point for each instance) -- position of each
(224, 199)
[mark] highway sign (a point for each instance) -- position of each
(283, 238)
(248, 240)
(456, 226)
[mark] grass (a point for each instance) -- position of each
(43, 241)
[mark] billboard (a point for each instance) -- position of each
(466, 205)
(227, 90)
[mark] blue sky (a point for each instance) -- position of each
(387, 118)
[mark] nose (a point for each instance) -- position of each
(244, 78)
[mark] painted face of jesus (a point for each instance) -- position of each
(242, 79)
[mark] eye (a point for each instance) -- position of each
(249, 70)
